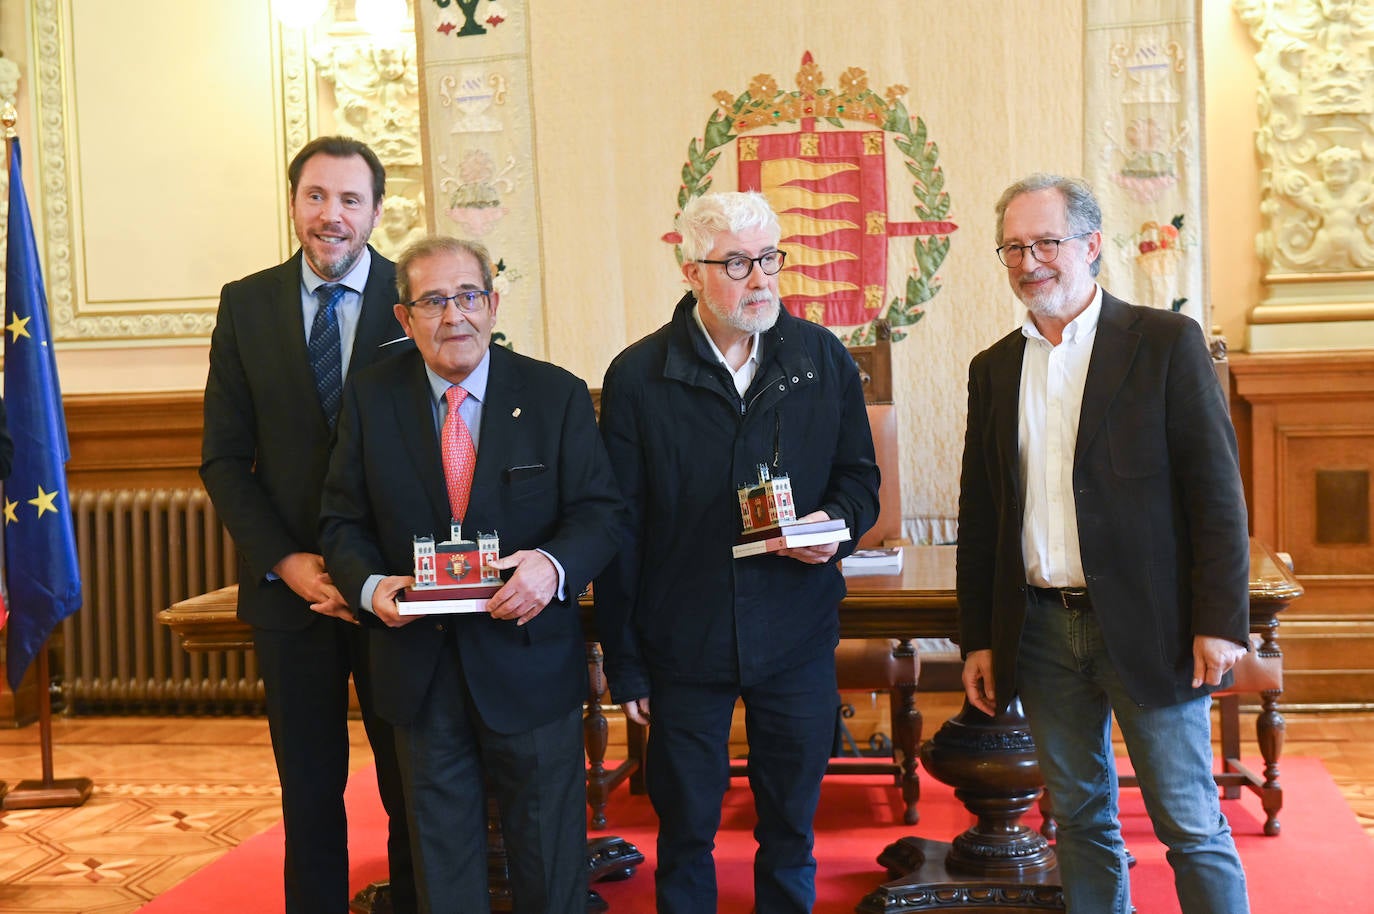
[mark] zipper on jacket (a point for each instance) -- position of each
(763, 388)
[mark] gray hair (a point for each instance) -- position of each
(1080, 204)
(710, 214)
(440, 244)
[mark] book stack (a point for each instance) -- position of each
(792, 535)
(425, 601)
(887, 560)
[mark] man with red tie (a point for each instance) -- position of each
(499, 442)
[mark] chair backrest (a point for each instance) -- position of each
(875, 371)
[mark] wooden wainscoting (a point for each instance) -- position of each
(134, 440)
(1305, 422)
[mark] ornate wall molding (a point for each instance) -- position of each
(376, 95)
(1316, 147)
(53, 197)
(1316, 133)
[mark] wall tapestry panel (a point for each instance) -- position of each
(1143, 150)
(480, 176)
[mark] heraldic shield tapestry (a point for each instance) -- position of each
(824, 158)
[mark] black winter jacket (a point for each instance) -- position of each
(681, 441)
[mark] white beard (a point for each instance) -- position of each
(1057, 303)
(744, 322)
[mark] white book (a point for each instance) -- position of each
(886, 560)
(789, 541)
(440, 607)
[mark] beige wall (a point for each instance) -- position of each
(1233, 219)
(619, 90)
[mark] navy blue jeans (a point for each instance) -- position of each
(790, 723)
(1070, 691)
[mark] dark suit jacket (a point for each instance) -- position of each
(266, 443)
(1161, 513)
(386, 485)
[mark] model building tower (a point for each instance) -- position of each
(456, 562)
(766, 503)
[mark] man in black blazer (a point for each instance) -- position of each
(1103, 558)
(264, 455)
(493, 697)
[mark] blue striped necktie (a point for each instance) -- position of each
(326, 359)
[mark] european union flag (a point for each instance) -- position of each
(40, 544)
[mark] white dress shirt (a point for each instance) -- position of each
(1052, 382)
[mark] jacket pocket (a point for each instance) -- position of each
(1138, 443)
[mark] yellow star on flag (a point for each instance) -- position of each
(10, 516)
(18, 326)
(44, 501)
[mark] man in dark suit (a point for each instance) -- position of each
(269, 414)
(492, 697)
(1103, 559)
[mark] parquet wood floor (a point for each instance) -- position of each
(173, 794)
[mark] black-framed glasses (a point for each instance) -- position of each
(739, 266)
(468, 301)
(1044, 250)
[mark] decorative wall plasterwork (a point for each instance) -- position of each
(376, 99)
(374, 88)
(1316, 134)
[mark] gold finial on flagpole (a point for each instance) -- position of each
(9, 117)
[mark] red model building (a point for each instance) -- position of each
(457, 562)
(767, 503)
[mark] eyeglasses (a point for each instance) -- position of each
(468, 301)
(739, 266)
(1044, 250)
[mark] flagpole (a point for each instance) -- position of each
(9, 117)
(49, 791)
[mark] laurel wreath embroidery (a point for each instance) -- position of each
(765, 103)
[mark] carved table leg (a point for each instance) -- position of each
(907, 724)
(595, 734)
(1270, 730)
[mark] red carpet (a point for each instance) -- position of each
(1323, 861)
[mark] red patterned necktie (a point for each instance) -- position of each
(460, 457)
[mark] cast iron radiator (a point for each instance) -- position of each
(141, 550)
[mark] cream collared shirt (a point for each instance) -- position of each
(1052, 383)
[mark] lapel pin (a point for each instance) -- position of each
(515, 414)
